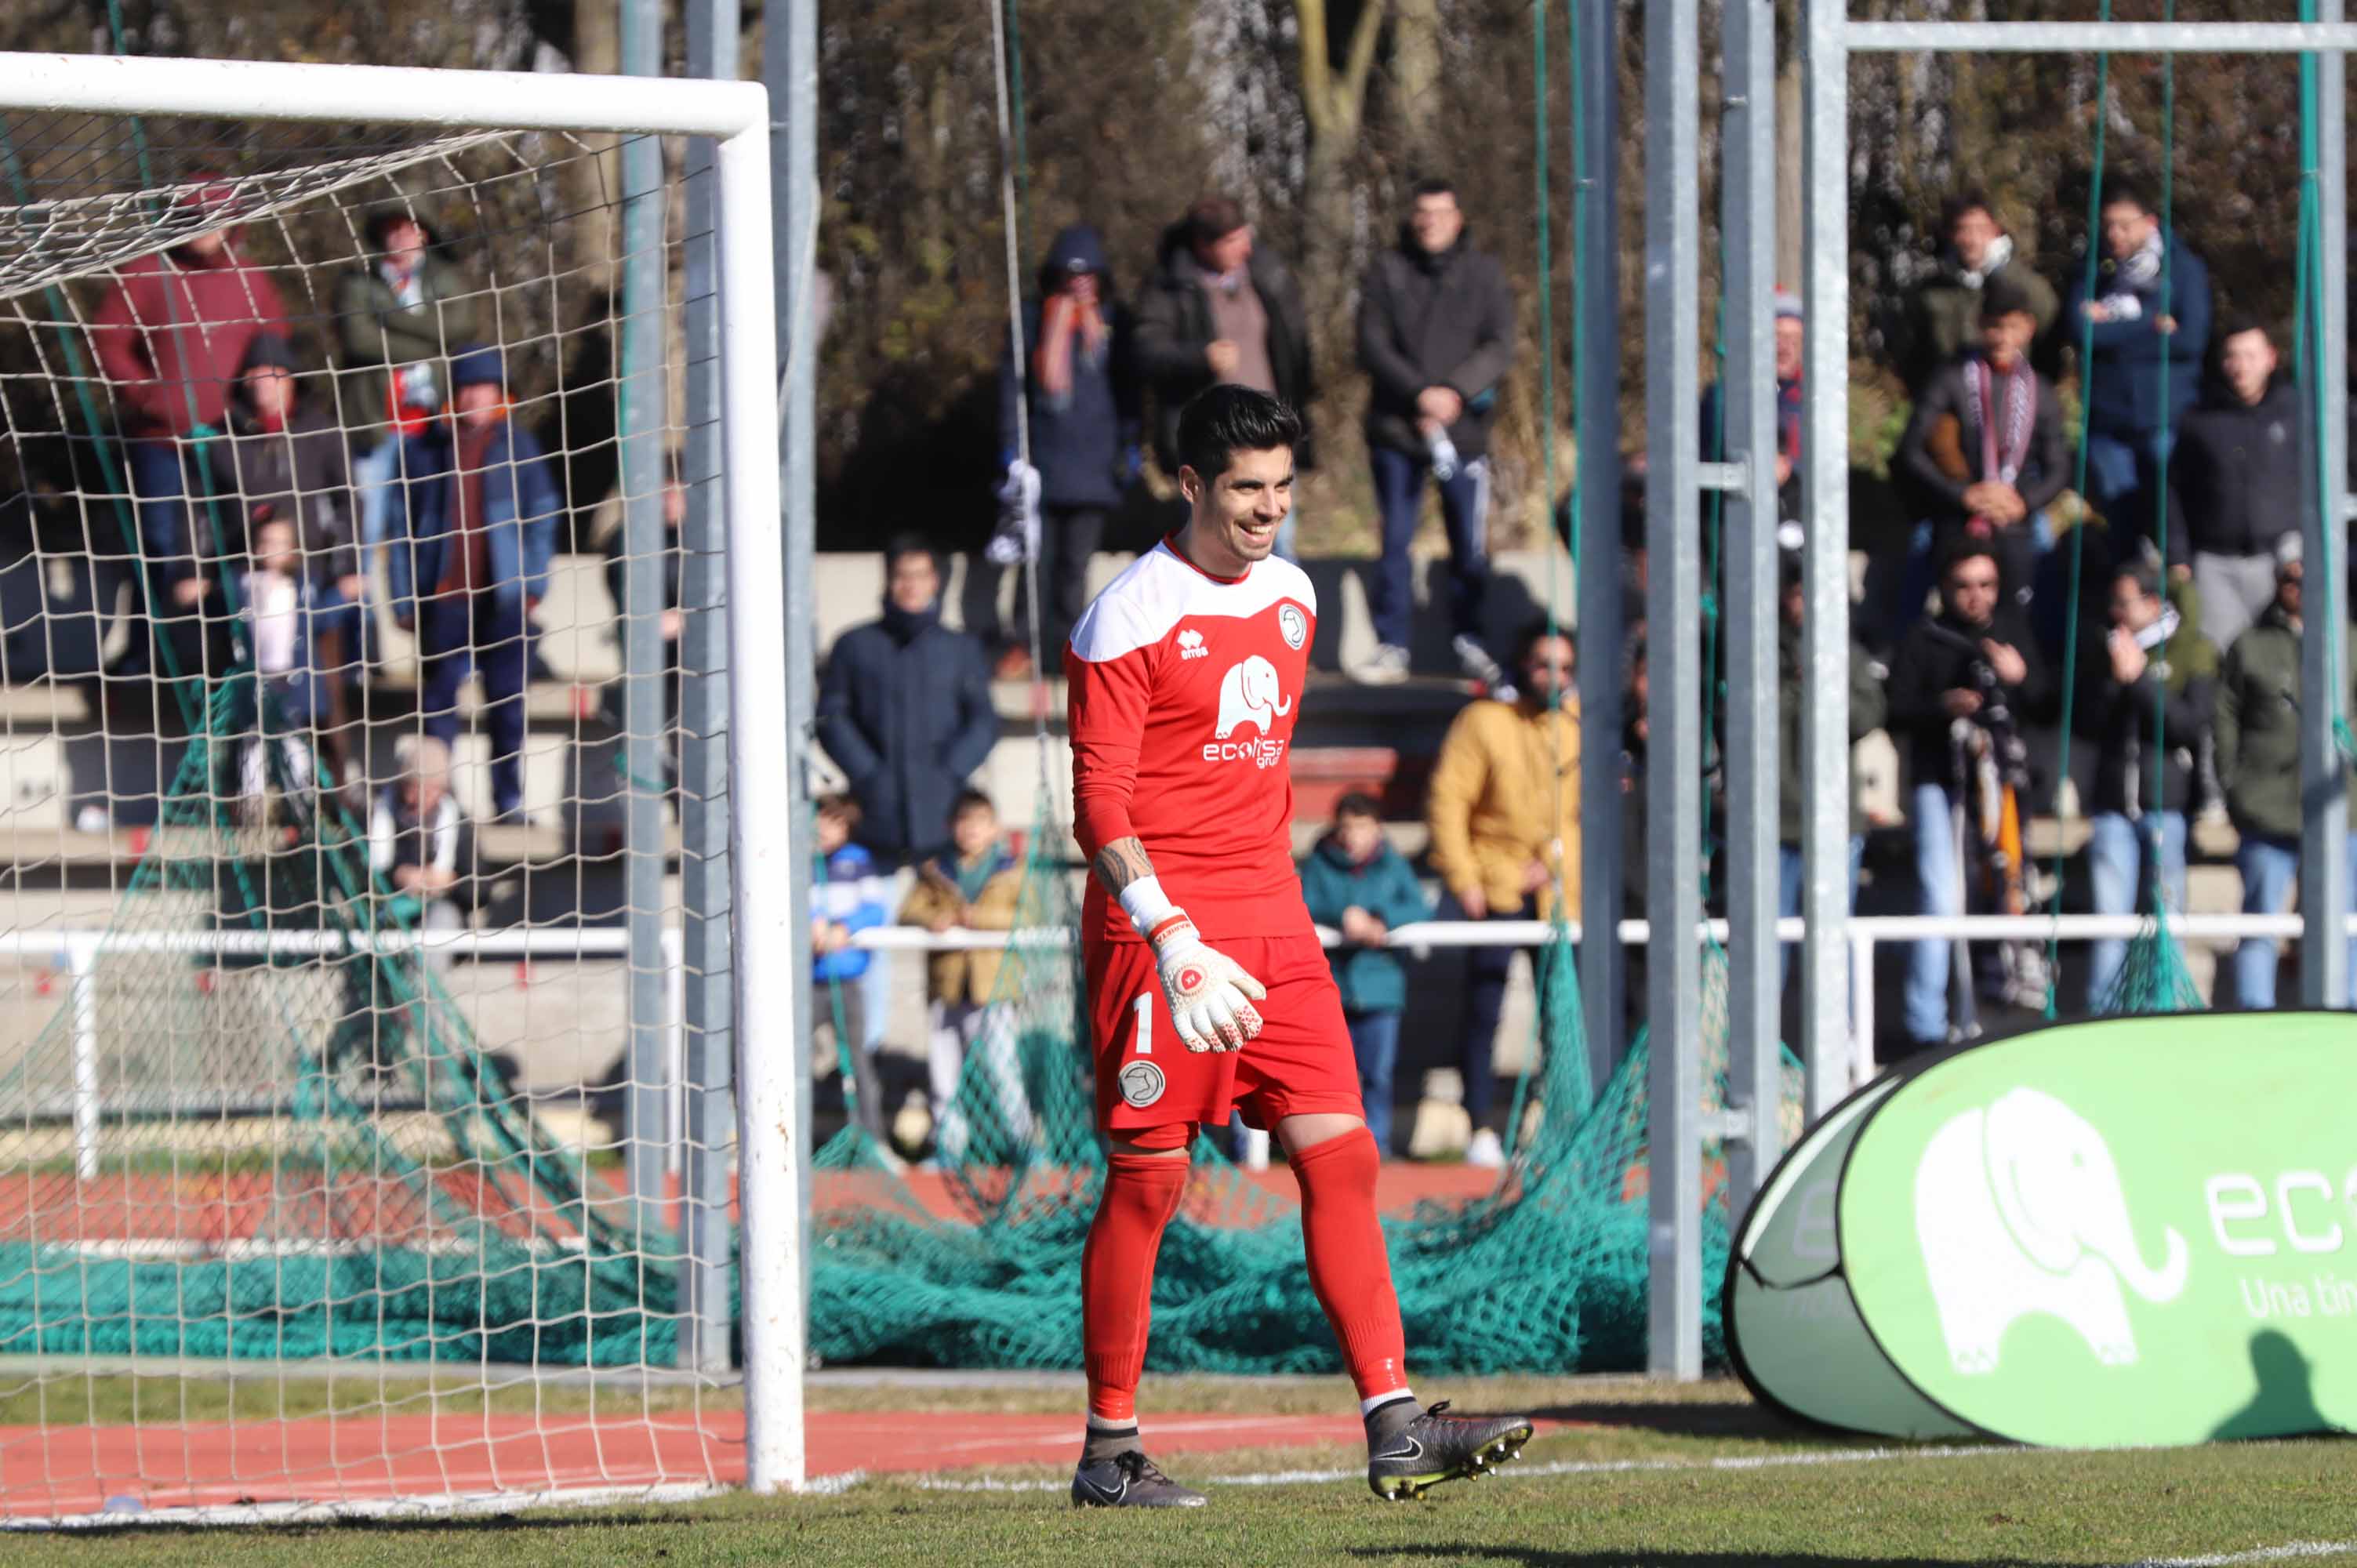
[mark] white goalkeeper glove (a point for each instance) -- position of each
(1210, 994)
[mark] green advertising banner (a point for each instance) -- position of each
(2132, 1230)
(1792, 1329)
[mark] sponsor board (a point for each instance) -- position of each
(2130, 1230)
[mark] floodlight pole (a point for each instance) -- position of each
(2324, 880)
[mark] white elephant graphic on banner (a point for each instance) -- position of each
(2018, 1210)
(1249, 695)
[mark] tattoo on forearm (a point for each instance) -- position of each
(1121, 863)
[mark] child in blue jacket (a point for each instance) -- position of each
(847, 896)
(1354, 880)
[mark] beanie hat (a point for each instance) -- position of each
(476, 367)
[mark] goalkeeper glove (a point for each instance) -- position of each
(1210, 994)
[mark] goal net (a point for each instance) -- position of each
(356, 703)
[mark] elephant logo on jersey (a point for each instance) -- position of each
(1249, 695)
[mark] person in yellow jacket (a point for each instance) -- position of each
(1503, 807)
(975, 884)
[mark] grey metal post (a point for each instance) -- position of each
(1674, 708)
(1603, 967)
(790, 69)
(1825, 636)
(2324, 822)
(1747, 209)
(711, 1118)
(645, 289)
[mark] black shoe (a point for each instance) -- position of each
(1435, 1447)
(1129, 1480)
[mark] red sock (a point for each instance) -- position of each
(1141, 1194)
(1348, 1266)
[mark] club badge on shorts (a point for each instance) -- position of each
(1293, 624)
(1141, 1083)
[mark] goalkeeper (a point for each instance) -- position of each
(1207, 989)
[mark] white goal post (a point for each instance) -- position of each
(762, 840)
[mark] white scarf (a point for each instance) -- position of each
(2130, 276)
(2000, 250)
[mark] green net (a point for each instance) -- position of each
(1547, 1272)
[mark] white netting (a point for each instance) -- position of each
(326, 461)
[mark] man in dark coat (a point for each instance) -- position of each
(2150, 324)
(1077, 387)
(1944, 315)
(1436, 339)
(2239, 482)
(1220, 307)
(904, 710)
(2148, 662)
(1972, 664)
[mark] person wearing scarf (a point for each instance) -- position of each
(1944, 315)
(1986, 452)
(2149, 328)
(2148, 660)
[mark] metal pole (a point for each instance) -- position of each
(2324, 822)
(1825, 569)
(790, 64)
(1603, 967)
(82, 960)
(1747, 208)
(706, 962)
(644, 290)
(771, 966)
(2090, 37)
(1674, 709)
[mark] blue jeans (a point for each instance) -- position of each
(1942, 881)
(2125, 470)
(373, 473)
(1484, 998)
(1374, 1040)
(1789, 874)
(2118, 850)
(457, 635)
(1464, 507)
(2269, 867)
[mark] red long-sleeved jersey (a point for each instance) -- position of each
(1183, 691)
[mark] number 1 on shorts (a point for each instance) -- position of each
(1144, 1006)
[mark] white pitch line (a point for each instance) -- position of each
(2288, 1551)
(1556, 1467)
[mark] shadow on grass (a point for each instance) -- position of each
(1691, 1418)
(1538, 1557)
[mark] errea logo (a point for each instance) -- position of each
(1191, 645)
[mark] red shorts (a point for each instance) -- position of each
(1301, 1062)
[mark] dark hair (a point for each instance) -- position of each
(2235, 326)
(1220, 421)
(1538, 629)
(1433, 185)
(2003, 297)
(1971, 198)
(971, 800)
(1967, 547)
(1357, 803)
(1213, 218)
(2120, 190)
(382, 219)
(841, 806)
(902, 544)
(2145, 570)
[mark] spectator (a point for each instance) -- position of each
(1867, 708)
(278, 607)
(847, 896)
(1221, 308)
(1985, 450)
(1503, 807)
(2257, 729)
(1964, 678)
(974, 885)
(285, 461)
(1792, 359)
(480, 527)
(172, 336)
(415, 829)
(2238, 481)
(1944, 315)
(1077, 389)
(1436, 339)
(904, 708)
(399, 318)
(2146, 362)
(1356, 882)
(2150, 663)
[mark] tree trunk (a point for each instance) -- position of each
(1415, 68)
(1790, 183)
